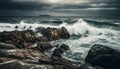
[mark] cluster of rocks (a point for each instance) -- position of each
(55, 34)
(23, 50)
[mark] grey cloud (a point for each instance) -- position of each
(65, 7)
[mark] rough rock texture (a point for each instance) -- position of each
(42, 46)
(7, 46)
(22, 39)
(16, 64)
(16, 59)
(104, 56)
(23, 54)
(25, 50)
(14, 36)
(57, 53)
(55, 33)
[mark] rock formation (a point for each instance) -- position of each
(103, 56)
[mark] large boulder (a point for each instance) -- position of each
(103, 56)
(55, 33)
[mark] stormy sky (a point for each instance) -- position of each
(60, 7)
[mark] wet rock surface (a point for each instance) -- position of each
(25, 50)
(57, 53)
(103, 56)
(42, 46)
(55, 33)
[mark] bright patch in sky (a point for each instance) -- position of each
(54, 1)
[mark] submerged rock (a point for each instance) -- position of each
(103, 56)
(55, 33)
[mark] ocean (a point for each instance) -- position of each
(85, 32)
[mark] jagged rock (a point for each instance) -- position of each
(7, 46)
(103, 56)
(41, 39)
(57, 53)
(65, 47)
(42, 46)
(55, 33)
(22, 39)
(64, 33)
(14, 36)
(23, 43)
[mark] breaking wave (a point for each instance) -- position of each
(87, 33)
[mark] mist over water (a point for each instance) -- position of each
(84, 34)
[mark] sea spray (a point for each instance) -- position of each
(88, 36)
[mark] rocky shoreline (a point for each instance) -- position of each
(25, 50)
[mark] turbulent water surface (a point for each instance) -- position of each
(84, 33)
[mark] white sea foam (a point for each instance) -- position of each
(95, 35)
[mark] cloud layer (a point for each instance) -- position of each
(58, 7)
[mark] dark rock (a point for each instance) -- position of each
(15, 36)
(85, 66)
(103, 56)
(65, 47)
(64, 33)
(16, 27)
(24, 54)
(40, 29)
(55, 33)
(14, 65)
(17, 64)
(57, 53)
(41, 39)
(7, 46)
(22, 39)
(42, 46)
(3, 53)
(23, 43)
(89, 66)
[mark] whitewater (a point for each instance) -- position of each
(84, 34)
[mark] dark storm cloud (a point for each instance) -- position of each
(73, 7)
(16, 5)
